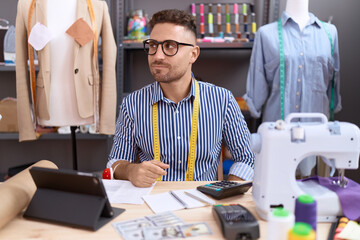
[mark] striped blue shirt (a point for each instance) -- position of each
(309, 67)
(220, 119)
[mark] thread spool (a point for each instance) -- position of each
(305, 210)
(301, 231)
(280, 222)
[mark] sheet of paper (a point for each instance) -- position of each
(39, 36)
(162, 202)
(121, 191)
(351, 231)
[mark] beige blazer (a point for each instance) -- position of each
(87, 78)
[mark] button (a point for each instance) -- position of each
(178, 137)
(297, 106)
(300, 66)
(301, 53)
(76, 70)
(179, 161)
(297, 93)
(176, 111)
(299, 80)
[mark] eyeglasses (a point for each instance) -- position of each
(169, 47)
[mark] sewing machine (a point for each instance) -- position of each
(280, 146)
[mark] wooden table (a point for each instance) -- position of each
(21, 228)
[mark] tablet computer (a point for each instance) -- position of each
(70, 197)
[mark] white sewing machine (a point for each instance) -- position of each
(280, 146)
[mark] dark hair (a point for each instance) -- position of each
(175, 16)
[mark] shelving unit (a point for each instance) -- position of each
(132, 73)
(231, 72)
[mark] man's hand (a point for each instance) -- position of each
(234, 178)
(145, 174)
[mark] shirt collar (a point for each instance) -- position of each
(159, 95)
(313, 19)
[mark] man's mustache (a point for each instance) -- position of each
(157, 63)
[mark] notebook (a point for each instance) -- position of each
(177, 200)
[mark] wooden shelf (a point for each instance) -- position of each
(57, 136)
(7, 68)
(215, 46)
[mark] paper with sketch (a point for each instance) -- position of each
(171, 201)
(121, 191)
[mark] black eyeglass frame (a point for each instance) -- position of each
(162, 46)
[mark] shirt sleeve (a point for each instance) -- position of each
(256, 84)
(124, 147)
(237, 138)
(337, 96)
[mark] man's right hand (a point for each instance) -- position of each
(145, 174)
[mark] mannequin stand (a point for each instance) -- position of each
(74, 151)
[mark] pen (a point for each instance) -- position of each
(202, 26)
(179, 200)
(198, 198)
(210, 21)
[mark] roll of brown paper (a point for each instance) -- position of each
(17, 192)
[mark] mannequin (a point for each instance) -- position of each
(69, 87)
(299, 11)
(62, 104)
(311, 65)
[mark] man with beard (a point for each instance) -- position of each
(173, 129)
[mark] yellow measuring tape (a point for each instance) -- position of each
(31, 50)
(93, 23)
(31, 57)
(193, 136)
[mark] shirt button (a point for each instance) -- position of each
(179, 161)
(297, 93)
(301, 53)
(299, 80)
(297, 106)
(76, 70)
(178, 137)
(176, 111)
(300, 66)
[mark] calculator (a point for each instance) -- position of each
(223, 189)
(237, 222)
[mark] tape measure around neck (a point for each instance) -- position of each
(31, 50)
(282, 69)
(193, 135)
(282, 72)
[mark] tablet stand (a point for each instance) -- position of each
(73, 209)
